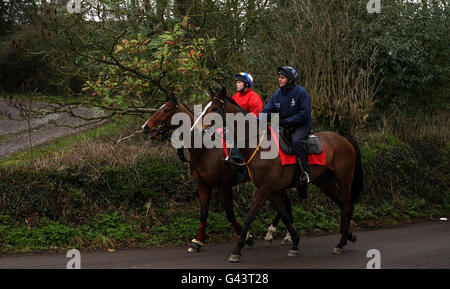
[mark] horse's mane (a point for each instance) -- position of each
(187, 107)
(231, 100)
(176, 101)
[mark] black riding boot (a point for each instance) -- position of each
(239, 170)
(301, 151)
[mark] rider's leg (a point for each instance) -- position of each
(298, 137)
(237, 157)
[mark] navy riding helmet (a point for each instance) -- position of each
(289, 72)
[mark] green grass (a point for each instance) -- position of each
(106, 231)
(122, 230)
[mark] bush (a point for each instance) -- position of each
(395, 169)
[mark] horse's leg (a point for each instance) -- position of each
(278, 204)
(346, 215)
(227, 199)
(288, 207)
(260, 198)
(272, 229)
(330, 187)
(344, 191)
(351, 236)
(203, 194)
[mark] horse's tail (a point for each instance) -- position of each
(358, 176)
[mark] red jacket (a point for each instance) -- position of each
(250, 101)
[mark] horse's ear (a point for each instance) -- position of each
(223, 92)
(171, 97)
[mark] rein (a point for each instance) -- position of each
(180, 151)
(224, 102)
(251, 158)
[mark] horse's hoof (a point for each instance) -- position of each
(195, 246)
(337, 251)
(268, 242)
(353, 239)
(286, 242)
(234, 258)
(293, 253)
(250, 241)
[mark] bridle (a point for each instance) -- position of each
(161, 129)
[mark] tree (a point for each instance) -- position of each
(15, 14)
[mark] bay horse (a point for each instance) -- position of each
(206, 167)
(341, 179)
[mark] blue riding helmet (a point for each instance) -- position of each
(245, 77)
(288, 71)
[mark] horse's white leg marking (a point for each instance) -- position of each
(270, 231)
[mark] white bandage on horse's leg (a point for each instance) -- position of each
(197, 242)
(287, 240)
(288, 237)
(270, 231)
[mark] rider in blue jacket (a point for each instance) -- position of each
(293, 104)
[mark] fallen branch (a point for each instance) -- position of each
(127, 137)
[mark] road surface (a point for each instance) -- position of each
(15, 133)
(424, 245)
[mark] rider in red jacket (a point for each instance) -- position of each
(252, 103)
(245, 96)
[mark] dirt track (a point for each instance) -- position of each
(423, 245)
(14, 134)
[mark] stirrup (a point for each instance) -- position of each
(305, 177)
(227, 161)
(230, 162)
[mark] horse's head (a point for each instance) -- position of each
(159, 123)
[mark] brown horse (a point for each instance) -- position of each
(341, 179)
(206, 167)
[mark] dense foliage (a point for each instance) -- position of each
(134, 52)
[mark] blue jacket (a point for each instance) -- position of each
(293, 104)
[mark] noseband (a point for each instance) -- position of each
(161, 129)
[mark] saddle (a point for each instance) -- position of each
(313, 144)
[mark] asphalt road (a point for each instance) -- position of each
(425, 245)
